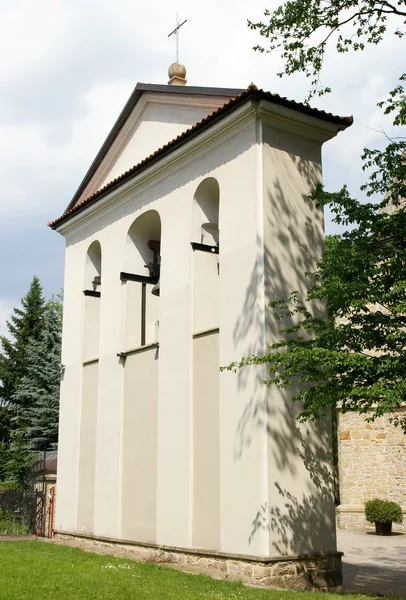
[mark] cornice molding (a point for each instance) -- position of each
(286, 119)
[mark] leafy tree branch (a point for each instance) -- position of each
(352, 354)
(301, 30)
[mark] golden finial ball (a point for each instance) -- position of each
(177, 70)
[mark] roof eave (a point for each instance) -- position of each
(341, 123)
(139, 89)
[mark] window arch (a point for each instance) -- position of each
(92, 293)
(206, 362)
(93, 265)
(205, 216)
(206, 243)
(141, 277)
(140, 377)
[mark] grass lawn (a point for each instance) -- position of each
(42, 571)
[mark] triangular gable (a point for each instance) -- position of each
(153, 116)
(83, 199)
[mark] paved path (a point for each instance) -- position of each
(373, 564)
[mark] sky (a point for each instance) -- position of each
(67, 68)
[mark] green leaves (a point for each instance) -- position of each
(29, 381)
(383, 511)
(353, 354)
(36, 399)
(25, 323)
(302, 29)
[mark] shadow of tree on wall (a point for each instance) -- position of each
(261, 521)
(299, 510)
(251, 319)
(298, 521)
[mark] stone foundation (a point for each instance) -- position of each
(309, 572)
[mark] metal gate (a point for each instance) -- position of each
(31, 503)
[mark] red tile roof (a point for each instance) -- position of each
(251, 92)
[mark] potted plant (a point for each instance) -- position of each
(383, 513)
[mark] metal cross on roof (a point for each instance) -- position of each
(176, 33)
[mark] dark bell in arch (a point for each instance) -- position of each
(156, 289)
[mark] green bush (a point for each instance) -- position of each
(7, 485)
(10, 524)
(383, 511)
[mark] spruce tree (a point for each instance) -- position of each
(17, 458)
(3, 462)
(36, 398)
(25, 324)
(4, 424)
(5, 428)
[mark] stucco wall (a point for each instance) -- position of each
(87, 462)
(258, 459)
(372, 464)
(206, 442)
(300, 502)
(155, 120)
(139, 446)
(160, 124)
(172, 196)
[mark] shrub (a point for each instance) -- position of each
(7, 485)
(10, 524)
(383, 511)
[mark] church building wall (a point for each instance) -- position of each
(174, 456)
(300, 502)
(139, 446)
(205, 278)
(154, 121)
(184, 455)
(372, 464)
(87, 441)
(70, 410)
(206, 441)
(161, 122)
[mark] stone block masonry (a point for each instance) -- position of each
(372, 464)
(308, 572)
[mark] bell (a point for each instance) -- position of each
(210, 234)
(156, 289)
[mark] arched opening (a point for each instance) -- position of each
(205, 243)
(93, 264)
(206, 284)
(92, 293)
(141, 366)
(90, 382)
(141, 277)
(206, 212)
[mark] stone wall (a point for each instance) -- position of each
(310, 572)
(372, 464)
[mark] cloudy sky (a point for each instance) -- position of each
(68, 66)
